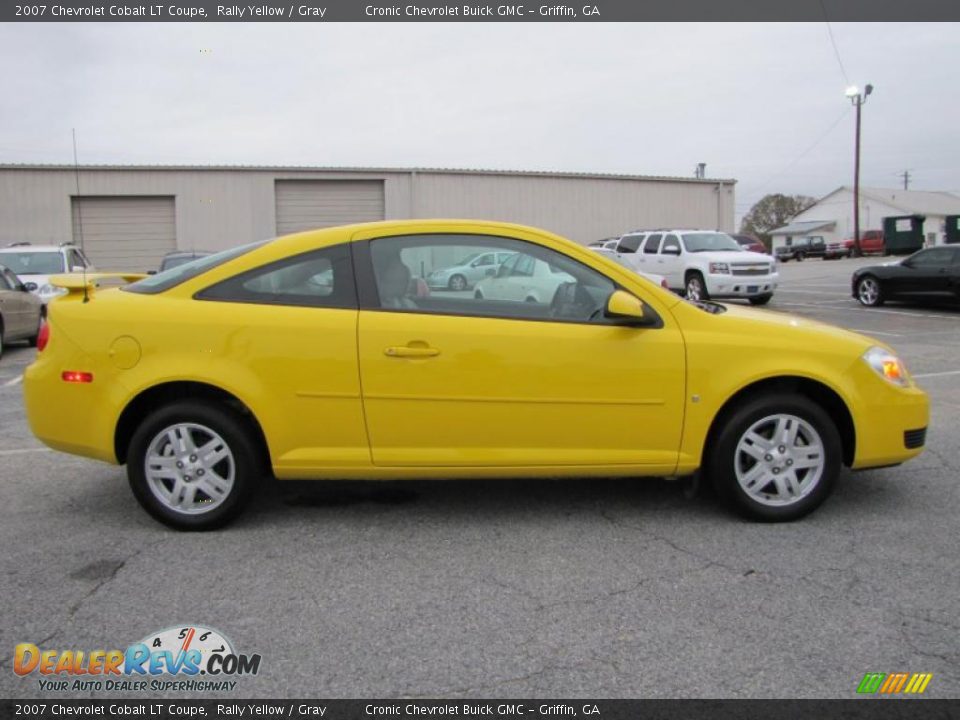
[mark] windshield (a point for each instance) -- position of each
(33, 263)
(709, 241)
(181, 273)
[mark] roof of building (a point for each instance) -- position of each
(803, 227)
(922, 202)
(407, 170)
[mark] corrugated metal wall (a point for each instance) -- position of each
(218, 208)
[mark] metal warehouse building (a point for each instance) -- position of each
(132, 215)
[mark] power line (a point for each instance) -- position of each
(836, 50)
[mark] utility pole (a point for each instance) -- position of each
(906, 179)
(858, 100)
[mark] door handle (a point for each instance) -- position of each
(405, 351)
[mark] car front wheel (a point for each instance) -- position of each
(776, 458)
(458, 283)
(193, 466)
(869, 292)
(696, 288)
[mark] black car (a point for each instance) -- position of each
(932, 275)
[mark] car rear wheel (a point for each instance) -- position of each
(1, 338)
(869, 292)
(696, 288)
(760, 299)
(193, 466)
(776, 458)
(799, 257)
(457, 282)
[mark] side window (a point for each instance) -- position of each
(534, 283)
(653, 244)
(483, 261)
(671, 242)
(629, 243)
(322, 278)
(930, 258)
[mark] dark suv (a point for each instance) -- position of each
(802, 248)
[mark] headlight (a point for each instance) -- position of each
(719, 268)
(887, 365)
(48, 290)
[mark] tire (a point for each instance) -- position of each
(1, 337)
(213, 503)
(32, 340)
(760, 299)
(775, 490)
(869, 291)
(799, 257)
(695, 288)
(457, 283)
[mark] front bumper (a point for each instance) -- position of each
(741, 286)
(891, 423)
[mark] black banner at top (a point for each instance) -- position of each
(478, 11)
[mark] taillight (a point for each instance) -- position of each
(77, 376)
(43, 337)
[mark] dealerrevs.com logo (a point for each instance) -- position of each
(186, 658)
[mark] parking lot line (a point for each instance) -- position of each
(22, 451)
(820, 306)
(938, 374)
(874, 332)
(14, 381)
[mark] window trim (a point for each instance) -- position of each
(369, 298)
(350, 302)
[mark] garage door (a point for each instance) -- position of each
(125, 233)
(309, 204)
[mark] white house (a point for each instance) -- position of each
(831, 217)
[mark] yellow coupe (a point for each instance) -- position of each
(326, 354)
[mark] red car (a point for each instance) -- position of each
(748, 242)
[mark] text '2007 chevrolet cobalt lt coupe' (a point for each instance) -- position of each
(325, 355)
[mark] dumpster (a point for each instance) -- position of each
(902, 234)
(952, 228)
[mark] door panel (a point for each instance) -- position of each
(505, 392)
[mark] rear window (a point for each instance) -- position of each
(180, 274)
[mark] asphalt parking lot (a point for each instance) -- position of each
(582, 588)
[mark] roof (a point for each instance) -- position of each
(803, 227)
(329, 169)
(910, 202)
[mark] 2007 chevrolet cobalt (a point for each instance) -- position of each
(325, 355)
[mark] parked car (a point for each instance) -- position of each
(702, 264)
(20, 310)
(34, 264)
(612, 254)
(871, 243)
(207, 378)
(523, 278)
(749, 242)
(465, 274)
(181, 257)
(802, 248)
(931, 275)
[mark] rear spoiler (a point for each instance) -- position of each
(85, 283)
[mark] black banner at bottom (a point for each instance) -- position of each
(865, 708)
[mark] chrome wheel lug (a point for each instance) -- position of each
(776, 471)
(768, 457)
(200, 472)
(193, 458)
(789, 463)
(782, 449)
(179, 464)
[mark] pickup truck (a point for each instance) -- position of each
(871, 243)
(802, 248)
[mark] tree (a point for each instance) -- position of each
(773, 211)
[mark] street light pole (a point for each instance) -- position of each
(858, 100)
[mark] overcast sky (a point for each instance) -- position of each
(761, 103)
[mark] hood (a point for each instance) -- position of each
(734, 256)
(757, 321)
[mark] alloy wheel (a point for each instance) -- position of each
(868, 291)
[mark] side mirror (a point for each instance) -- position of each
(29, 287)
(670, 251)
(622, 304)
(151, 272)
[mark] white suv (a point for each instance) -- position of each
(702, 264)
(34, 264)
